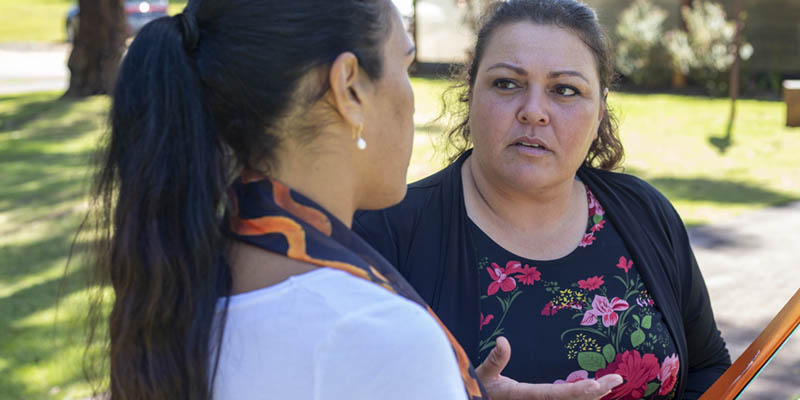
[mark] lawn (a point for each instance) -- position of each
(41, 20)
(46, 145)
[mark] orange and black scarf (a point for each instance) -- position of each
(269, 215)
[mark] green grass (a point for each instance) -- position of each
(46, 144)
(670, 142)
(33, 20)
(41, 20)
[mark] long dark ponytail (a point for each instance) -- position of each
(199, 96)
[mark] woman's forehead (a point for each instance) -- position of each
(538, 46)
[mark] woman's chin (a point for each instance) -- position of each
(384, 199)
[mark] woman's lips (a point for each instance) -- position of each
(531, 146)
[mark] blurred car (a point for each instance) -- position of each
(137, 14)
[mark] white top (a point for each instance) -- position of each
(326, 334)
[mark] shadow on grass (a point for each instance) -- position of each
(713, 190)
(717, 191)
(431, 128)
(46, 147)
(30, 341)
(43, 181)
(28, 111)
(723, 143)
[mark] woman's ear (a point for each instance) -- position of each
(347, 93)
(603, 105)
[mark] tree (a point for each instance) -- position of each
(97, 49)
(474, 10)
(735, 74)
(684, 4)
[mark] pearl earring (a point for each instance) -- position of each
(360, 142)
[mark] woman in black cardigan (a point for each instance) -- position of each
(529, 236)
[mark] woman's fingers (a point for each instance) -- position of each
(496, 362)
(502, 388)
(588, 389)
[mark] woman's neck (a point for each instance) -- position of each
(324, 178)
(544, 223)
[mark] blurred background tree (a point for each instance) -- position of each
(97, 49)
(640, 55)
(473, 11)
(706, 50)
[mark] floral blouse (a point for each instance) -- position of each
(583, 316)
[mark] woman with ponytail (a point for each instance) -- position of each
(244, 135)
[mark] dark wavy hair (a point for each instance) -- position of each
(199, 96)
(606, 151)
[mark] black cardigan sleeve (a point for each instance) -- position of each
(708, 355)
(665, 243)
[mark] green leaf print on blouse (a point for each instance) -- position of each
(622, 326)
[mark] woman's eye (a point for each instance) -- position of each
(505, 84)
(567, 91)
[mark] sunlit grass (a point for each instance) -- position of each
(42, 20)
(33, 20)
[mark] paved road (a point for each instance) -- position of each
(28, 67)
(751, 265)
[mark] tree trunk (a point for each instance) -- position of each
(414, 31)
(97, 48)
(678, 78)
(735, 75)
(684, 3)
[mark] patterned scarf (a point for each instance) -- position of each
(269, 215)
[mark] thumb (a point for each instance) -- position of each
(497, 360)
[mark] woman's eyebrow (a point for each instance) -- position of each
(518, 70)
(556, 74)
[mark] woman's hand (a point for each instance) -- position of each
(502, 388)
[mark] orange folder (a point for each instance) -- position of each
(730, 385)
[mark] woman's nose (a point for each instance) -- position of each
(534, 109)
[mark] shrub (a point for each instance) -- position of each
(640, 54)
(706, 50)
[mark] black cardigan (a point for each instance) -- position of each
(426, 237)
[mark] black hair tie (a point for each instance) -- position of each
(189, 30)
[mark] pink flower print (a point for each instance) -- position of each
(599, 210)
(594, 206)
(588, 238)
(548, 309)
(625, 263)
(608, 310)
(501, 277)
(596, 227)
(575, 376)
(528, 275)
(636, 370)
(485, 321)
(591, 283)
(644, 303)
(592, 200)
(668, 374)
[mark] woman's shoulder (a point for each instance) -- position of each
(331, 293)
(625, 188)
(316, 322)
(442, 183)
